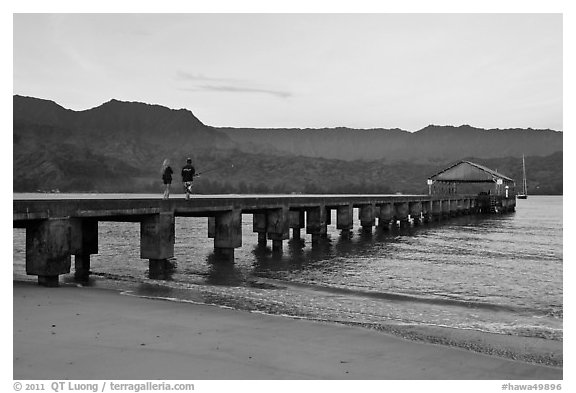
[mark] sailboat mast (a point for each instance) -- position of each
(524, 188)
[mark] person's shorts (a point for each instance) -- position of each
(188, 186)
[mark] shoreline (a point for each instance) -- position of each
(529, 349)
(96, 333)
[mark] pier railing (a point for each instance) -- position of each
(58, 228)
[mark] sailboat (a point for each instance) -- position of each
(524, 193)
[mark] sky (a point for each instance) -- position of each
(368, 70)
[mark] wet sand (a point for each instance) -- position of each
(89, 333)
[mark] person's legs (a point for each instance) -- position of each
(187, 189)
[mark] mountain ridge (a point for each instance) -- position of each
(120, 145)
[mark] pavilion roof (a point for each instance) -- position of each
(469, 172)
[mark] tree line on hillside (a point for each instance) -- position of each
(241, 173)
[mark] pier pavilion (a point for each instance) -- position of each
(468, 177)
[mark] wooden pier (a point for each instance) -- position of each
(58, 228)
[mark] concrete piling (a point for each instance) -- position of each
(316, 222)
(453, 207)
(445, 208)
(345, 219)
(366, 216)
(228, 234)
(84, 242)
(436, 210)
(426, 211)
(211, 227)
(259, 226)
(157, 236)
(278, 227)
(48, 250)
(415, 210)
(385, 215)
(297, 222)
(401, 213)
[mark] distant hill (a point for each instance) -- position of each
(428, 145)
(119, 146)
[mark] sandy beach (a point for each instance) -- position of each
(88, 333)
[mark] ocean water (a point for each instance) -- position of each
(499, 273)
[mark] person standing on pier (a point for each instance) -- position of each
(167, 177)
(188, 173)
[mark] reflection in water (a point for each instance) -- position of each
(151, 290)
(223, 272)
(296, 251)
(162, 269)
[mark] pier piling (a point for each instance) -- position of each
(401, 213)
(48, 250)
(415, 209)
(366, 216)
(297, 222)
(385, 215)
(84, 242)
(157, 236)
(259, 226)
(316, 222)
(228, 234)
(278, 227)
(345, 219)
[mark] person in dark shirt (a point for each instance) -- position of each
(188, 173)
(167, 177)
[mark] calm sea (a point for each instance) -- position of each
(500, 273)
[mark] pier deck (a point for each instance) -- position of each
(59, 226)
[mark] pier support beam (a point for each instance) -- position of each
(437, 210)
(211, 227)
(401, 213)
(259, 226)
(453, 206)
(84, 243)
(316, 222)
(466, 206)
(473, 206)
(459, 207)
(297, 222)
(345, 219)
(366, 216)
(228, 234)
(328, 216)
(446, 208)
(48, 250)
(157, 242)
(278, 227)
(415, 209)
(385, 215)
(427, 211)
(508, 205)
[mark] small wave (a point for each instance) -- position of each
(442, 301)
(493, 328)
